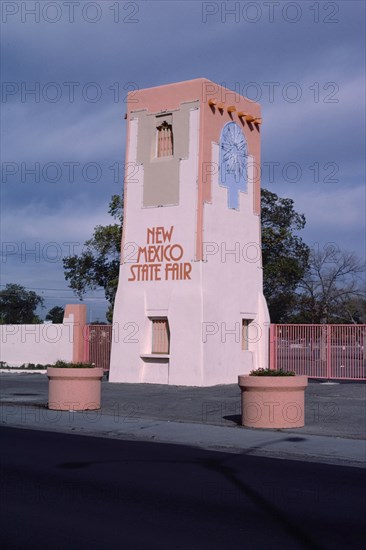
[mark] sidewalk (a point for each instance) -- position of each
(334, 433)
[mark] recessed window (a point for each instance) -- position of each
(160, 335)
(244, 334)
(165, 142)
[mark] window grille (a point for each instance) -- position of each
(165, 140)
(244, 334)
(160, 336)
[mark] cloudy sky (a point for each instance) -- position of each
(66, 70)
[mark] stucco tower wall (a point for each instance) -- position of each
(138, 302)
(182, 198)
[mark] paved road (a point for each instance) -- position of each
(74, 492)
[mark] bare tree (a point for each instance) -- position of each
(332, 288)
(355, 310)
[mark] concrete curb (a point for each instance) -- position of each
(276, 444)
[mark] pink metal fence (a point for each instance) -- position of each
(320, 351)
(98, 342)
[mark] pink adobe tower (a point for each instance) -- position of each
(190, 309)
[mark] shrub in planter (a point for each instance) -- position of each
(74, 386)
(272, 399)
(271, 372)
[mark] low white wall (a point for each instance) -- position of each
(44, 344)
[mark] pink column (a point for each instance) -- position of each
(79, 313)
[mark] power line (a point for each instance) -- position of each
(54, 289)
(64, 297)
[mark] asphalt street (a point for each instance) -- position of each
(73, 492)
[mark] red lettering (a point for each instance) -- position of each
(143, 252)
(150, 233)
(187, 270)
(159, 235)
(132, 269)
(145, 272)
(168, 234)
(179, 256)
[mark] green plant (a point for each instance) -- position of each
(70, 365)
(271, 372)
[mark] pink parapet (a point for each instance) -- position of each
(77, 312)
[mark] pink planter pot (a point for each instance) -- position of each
(273, 401)
(74, 389)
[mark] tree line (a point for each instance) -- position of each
(18, 306)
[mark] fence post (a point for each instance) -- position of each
(86, 343)
(329, 350)
(272, 347)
